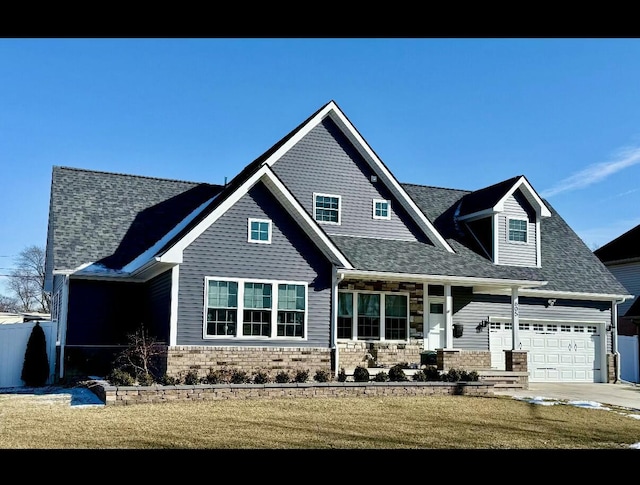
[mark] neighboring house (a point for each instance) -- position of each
(622, 257)
(315, 257)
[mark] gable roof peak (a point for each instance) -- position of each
(491, 199)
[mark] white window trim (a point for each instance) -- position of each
(252, 219)
(354, 334)
(240, 309)
(339, 197)
(526, 221)
(383, 201)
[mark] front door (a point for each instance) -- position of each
(435, 325)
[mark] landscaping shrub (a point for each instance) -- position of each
(283, 377)
(361, 374)
(191, 378)
(432, 374)
(342, 375)
(35, 369)
(397, 374)
(322, 375)
(419, 376)
(301, 376)
(239, 376)
(167, 380)
(381, 376)
(261, 377)
(118, 377)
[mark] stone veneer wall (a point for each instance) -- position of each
(112, 395)
(463, 359)
(200, 358)
(612, 362)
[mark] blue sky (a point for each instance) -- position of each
(449, 112)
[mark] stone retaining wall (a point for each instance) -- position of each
(126, 395)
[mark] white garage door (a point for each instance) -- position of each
(556, 352)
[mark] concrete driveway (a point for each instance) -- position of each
(622, 395)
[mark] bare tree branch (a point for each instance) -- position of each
(27, 281)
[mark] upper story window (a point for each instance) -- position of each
(518, 230)
(381, 209)
(326, 208)
(259, 231)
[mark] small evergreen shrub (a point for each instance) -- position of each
(301, 376)
(471, 376)
(381, 376)
(191, 378)
(453, 375)
(146, 380)
(35, 369)
(283, 377)
(432, 374)
(361, 374)
(397, 374)
(261, 377)
(239, 376)
(118, 377)
(167, 380)
(218, 376)
(342, 375)
(419, 376)
(322, 375)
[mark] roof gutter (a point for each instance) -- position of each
(444, 279)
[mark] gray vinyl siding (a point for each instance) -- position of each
(58, 281)
(325, 162)
(470, 309)
(629, 276)
(516, 253)
(159, 297)
(223, 251)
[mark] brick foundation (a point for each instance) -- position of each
(182, 359)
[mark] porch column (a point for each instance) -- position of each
(448, 317)
(614, 343)
(425, 314)
(515, 318)
(62, 323)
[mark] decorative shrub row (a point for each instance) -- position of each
(120, 377)
(397, 374)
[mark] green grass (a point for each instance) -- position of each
(433, 422)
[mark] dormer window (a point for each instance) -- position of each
(518, 230)
(326, 208)
(381, 209)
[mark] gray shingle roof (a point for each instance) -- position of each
(567, 263)
(112, 218)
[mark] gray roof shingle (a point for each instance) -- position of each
(112, 218)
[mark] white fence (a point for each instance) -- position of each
(629, 360)
(13, 345)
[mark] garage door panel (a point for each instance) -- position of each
(560, 352)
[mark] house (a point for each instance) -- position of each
(622, 257)
(316, 257)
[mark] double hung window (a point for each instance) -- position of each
(255, 308)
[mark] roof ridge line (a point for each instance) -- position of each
(122, 174)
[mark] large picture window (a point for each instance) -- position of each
(255, 308)
(378, 315)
